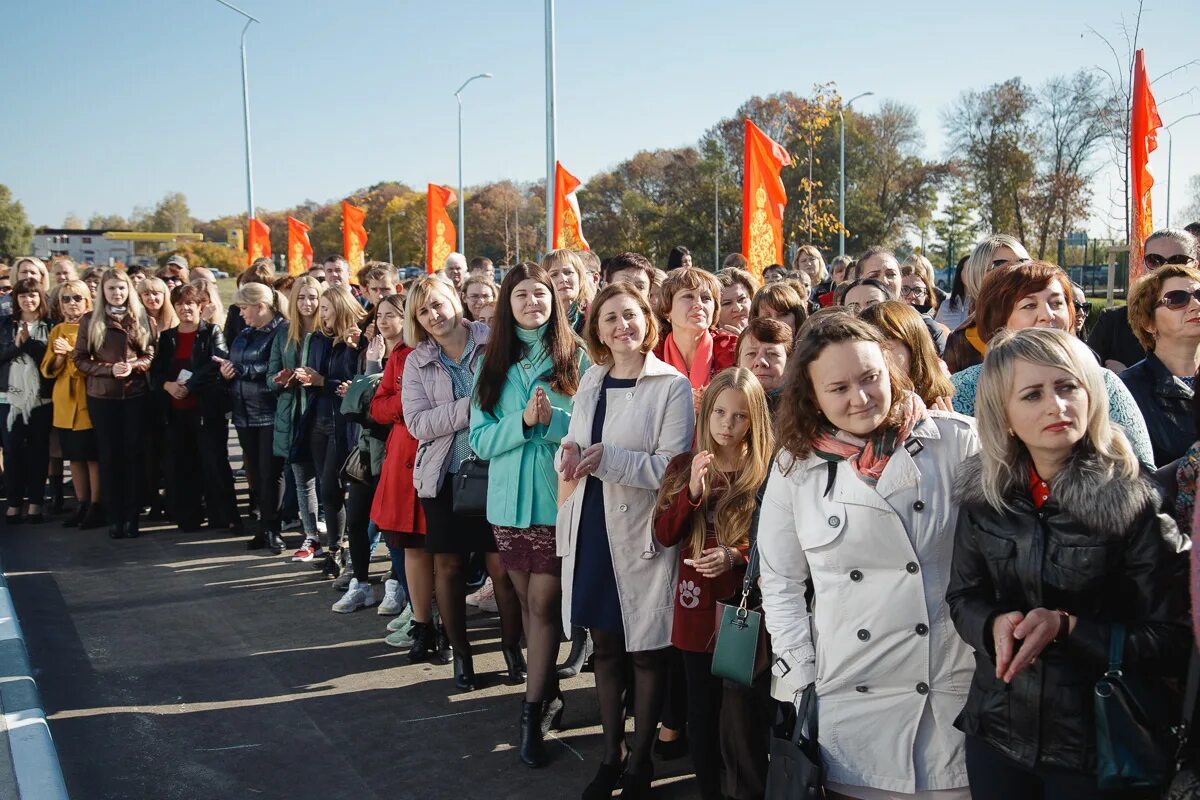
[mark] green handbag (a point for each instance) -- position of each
(742, 651)
(1134, 743)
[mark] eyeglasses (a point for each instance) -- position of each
(912, 291)
(71, 298)
(1179, 298)
(1154, 260)
(1000, 262)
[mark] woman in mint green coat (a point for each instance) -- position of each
(520, 412)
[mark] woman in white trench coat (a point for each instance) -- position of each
(632, 414)
(860, 502)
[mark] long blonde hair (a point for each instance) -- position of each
(208, 287)
(346, 314)
(296, 331)
(166, 318)
(1005, 458)
(98, 323)
(734, 508)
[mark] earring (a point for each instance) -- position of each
(1011, 432)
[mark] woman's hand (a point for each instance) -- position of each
(589, 461)
(208, 312)
(568, 462)
(22, 334)
(943, 404)
(175, 389)
(62, 345)
(307, 376)
(342, 388)
(700, 466)
(712, 562)
(376, 348)
(537, 409)
(227, 370)
(122, 369)
(283, 377)
(1038, 629)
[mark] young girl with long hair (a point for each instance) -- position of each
(156, 299)
(571, 285)
(75, 433)
(706, 506)
(113, 350)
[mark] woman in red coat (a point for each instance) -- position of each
(397, 510)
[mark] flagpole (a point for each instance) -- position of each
(551, 126)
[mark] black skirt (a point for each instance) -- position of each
(78, 445)
(447, 532)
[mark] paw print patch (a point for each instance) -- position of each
(689, 594)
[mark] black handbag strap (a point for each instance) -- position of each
(1116, 648)
(806, 717)
(1192, 690)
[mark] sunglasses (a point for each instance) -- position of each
(1179, 298)
(6, 289)
(1154, 260)
(71, 298)
(1000, 262)
(1082, 308)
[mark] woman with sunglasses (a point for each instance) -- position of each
(1164, 313)
(71, 420)
(965, 347)
(23, 338)
(1113, 339)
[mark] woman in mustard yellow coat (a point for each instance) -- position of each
(71, 418)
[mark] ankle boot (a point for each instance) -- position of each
(518, 671)
(424, 641)
(464, 673)
(131, 528)
(607, 778)
(635, 784)
(532, 748)
(552, 712)
(81, 511)
(92, 518)
(581, 651)
(442, 652)
(56, 495)
(116, 530)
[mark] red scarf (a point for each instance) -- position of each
(870, 460)
(700, 372)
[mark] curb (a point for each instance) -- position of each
(29, 768)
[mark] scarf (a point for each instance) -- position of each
(535, 347)
(700, 372)
(870, 460)
(25, 381)
(1185, 492)
(972, 334)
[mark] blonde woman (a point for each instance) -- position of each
(571, 284)
(1057, 543)
(964, 346)
(808, 259)
(330, 359)
(76, 436)
(212, 310)
(31, 267)
(155, 296)
(156, 299)
(113, 350)
(286, 355)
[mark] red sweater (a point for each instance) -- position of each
(696, 596)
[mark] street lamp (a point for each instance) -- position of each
(551, 124)
(1170, 144)
(246, 108)
(842, 173)
(458, 97)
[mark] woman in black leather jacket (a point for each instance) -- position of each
(1059, 538)
(247, 369)
(196, 401)
(26, 413)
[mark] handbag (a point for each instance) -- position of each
(1133, 735)
(471, 487)
(357, 468)
(742, 651)
(795, 771)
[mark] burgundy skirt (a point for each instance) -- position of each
(529, 549)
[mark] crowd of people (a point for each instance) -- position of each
(952, 508)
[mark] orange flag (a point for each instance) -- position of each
(354, 237)
(258, 241)
(763, 200)
(568, 229)
(1143, 140)
(440, 234)
(300, 252)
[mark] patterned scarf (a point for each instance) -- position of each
(700, 372)
(1185, 491)
(870, 460)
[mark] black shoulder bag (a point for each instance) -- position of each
(471, 487)
(796, 771)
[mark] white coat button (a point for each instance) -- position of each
(629, 395)
(527, 366)
(833, 522)
(622, 507)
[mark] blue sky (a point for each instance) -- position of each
(112, 104)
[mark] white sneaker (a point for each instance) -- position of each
(322, 527)
(483, 591)
(390, 605)
(401, 622)
(359, 595)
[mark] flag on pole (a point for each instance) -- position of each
(1143, 140)
(300, 252)
(258, 241)
(440, 234)
(354, 237)
(568, 229)
(763, 200)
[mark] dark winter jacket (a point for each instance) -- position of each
(1098, 549)
(206, 383)
(1166, 404)
(253, 402)
(34, 347)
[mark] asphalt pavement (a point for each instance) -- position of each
(182, 666)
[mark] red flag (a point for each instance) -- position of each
(440, 233)
(763, 200)
(258, 241)
(568, 229)
(354, 237)
(300, 252)
(1143, 140)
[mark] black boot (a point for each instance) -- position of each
(442, 652)
(464, 673)
(424, 641)
(131, 528)
(552, 712)
(92, 518)
(518, 671)
(81, 512)
(258, 542)
(116, 530)
(56, 494)
(581, 651)
(607, 778)
(274, 542)
(532, 748)
(635, 784)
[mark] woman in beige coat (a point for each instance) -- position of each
(860, 501)
(632, 415)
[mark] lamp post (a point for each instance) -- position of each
(551, 125)
(1170, 145)
(842, 173)
(461, 199)
(246, 108)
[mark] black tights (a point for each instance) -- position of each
(450, 578)
(541, 611)
(649, 684)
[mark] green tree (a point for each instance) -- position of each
(954, 227)
(16, 234)
(72, 220)
(114, 222)
(171, 215)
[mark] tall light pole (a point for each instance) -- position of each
(842, 173)
(461, 198)
(246, 109)
(551, 126)
(1170, 145)
(716, 221)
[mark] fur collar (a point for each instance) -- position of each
(1081, 490)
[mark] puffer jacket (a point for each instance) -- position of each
(117, 346)
(1166, 404)
(1098, 549)
(253, 402)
